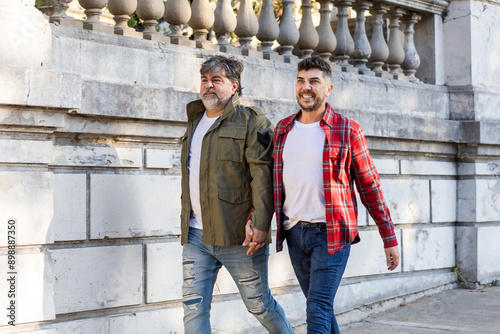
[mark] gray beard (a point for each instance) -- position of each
(214, 103)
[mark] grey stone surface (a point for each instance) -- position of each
(454, 311)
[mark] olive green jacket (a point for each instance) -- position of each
(235, 173)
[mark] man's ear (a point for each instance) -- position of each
(329, 89)
(236, 84)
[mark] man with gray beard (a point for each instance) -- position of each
(226, 181)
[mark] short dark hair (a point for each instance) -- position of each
(315, 62)
(232, 68)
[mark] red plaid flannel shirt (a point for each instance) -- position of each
(345, 160)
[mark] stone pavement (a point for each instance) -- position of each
(452, 311)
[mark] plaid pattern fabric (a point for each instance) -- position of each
(346, 161)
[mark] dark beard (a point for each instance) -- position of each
(312, 108)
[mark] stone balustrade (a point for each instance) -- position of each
(378, 41)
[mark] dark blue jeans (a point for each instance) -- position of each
(318, 273)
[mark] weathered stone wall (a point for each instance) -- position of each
(89, 168)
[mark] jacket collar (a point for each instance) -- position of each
(195, 109)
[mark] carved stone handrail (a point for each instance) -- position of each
(429, 6)
(375, 46)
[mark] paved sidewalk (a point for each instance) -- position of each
(452, 311)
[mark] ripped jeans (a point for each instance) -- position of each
(201, 263)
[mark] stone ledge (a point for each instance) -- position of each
(27, 117)
(30, 87)
(432, 6)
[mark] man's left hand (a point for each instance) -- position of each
(255, 238)
(392, 257)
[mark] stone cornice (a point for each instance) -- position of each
(430, 6)
(493, 2)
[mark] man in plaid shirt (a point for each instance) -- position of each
(318, 156)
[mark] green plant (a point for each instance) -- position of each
(39, 3)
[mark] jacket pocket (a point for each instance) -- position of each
(235, 195)
(232, 143)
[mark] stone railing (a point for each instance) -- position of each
(388, 50)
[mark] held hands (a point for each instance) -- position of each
(392, 257)
(255, 238)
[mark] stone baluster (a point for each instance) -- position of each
(177, 13)
(396, 51)
(345, 43)
(224, 25)
(247, 26)
(268, 29)
(380, 50)
(327, 41)
(202, 19)
(412, 59)
(289, 34)
(93, 9)
(308, 36)
(150, 11)
(60, 17)
(122, 9)
(362, 48)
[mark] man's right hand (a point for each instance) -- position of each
(253, 246)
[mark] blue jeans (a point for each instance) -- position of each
(318, 273)
(201, 263)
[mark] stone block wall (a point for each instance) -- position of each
(89, 170)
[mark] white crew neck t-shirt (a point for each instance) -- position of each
(303, 174)
(194, 168)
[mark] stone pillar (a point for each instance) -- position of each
(60, 17)
(151, 11)
(122, 9)
(268, 29)
(308, 36)
(396, 51)
(471, 66)
(93, 9)
(429, 37)
(478, 211)
(247, 26)
(202, 19)
(224, 24)
(345, 43)
(362, 49)
(177, 13)
(380, 50)
(471, 47)
(412, 59)
(289, 34)
(327, 41)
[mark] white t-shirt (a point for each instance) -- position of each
(194, 168)
(303, 174)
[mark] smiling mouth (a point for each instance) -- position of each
(208, 94)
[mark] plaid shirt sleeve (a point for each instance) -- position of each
(369, 188)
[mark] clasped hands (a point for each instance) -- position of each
(254, 238)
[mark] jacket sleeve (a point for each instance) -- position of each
(369, 187)
(258, 154)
